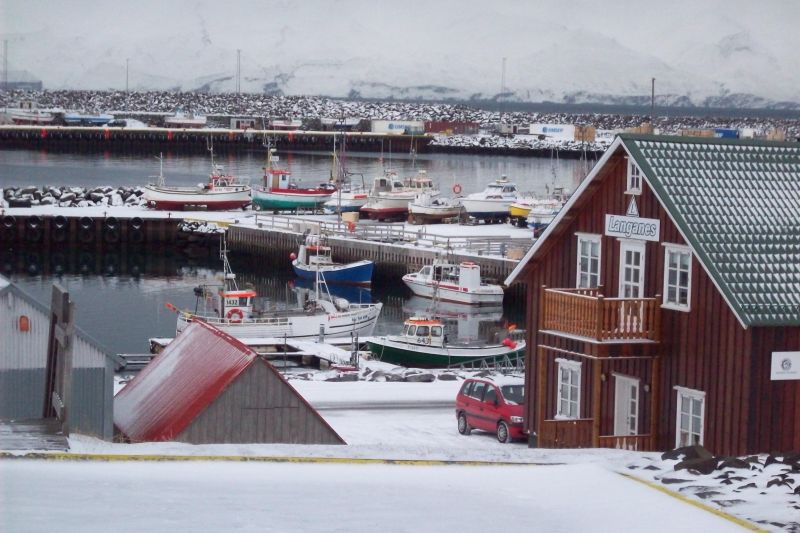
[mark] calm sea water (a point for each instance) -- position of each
(120, 296)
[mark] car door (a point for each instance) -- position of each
(475, 404)
(491, 408)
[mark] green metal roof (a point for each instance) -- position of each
(737, 202)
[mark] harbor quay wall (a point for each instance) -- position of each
(391, 260)
(65, 138)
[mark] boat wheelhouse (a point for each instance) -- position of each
(491, 204)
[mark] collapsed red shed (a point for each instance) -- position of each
(207, 387)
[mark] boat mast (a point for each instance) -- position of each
(161, 182)
(228, 277)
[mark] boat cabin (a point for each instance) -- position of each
(387, 183)
(501, 188)
(663, 301)
(423, 331)
(234, 305)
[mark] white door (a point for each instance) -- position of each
(626, 406)
(631, 269)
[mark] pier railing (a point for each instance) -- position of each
(507, 247)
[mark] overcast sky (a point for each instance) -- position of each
(551, 48)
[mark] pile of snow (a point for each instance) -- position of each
(200, 226)
(73, 196)
(764, 489)
(517, 142)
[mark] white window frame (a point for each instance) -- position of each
(635, 177)
(679, 249)
(592, 238)
(690, 395)
(569, 366)
(637, 246)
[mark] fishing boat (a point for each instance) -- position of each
(87, 119)
(29, 113)
(185, 121)
(350, 196)
(491, 204)
(424, 343)
(281, 193)
(314, 257)
(223, 191)
(458, 283)
(427, 208)
(390, 195)
(242, 314)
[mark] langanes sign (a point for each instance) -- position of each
(646, 229)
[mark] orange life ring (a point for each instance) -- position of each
(351, 226)
(235, 313)
(457, 188)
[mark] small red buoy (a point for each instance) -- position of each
(292, 256)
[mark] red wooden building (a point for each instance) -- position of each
(664, 301)
(206, 387)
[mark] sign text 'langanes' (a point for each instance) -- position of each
(646, 229)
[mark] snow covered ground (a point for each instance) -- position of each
(333, 488)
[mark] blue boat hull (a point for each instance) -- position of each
(359, 273)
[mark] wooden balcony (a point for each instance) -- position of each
(587, 313)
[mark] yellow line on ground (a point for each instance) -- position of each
(700, 505)
(59, 456)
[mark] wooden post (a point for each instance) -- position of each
(596, 397)
(655, 391)
(598, 327)
(541, 307)
(657, 319)
(541, 393)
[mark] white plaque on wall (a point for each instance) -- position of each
(785, 365)
(643, 229)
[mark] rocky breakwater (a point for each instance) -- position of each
(73, 196)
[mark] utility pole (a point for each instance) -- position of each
(5, 64)
(652, 101)
(127, 68)
(502, 88)
(238, 70)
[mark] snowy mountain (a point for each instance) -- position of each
(716, 52)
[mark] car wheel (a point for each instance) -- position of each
(463, 426)
(503, 434)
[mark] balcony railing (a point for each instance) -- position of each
(587, 313)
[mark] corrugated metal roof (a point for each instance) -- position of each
(738, 204)
(178, 384)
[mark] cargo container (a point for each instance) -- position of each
(452, 127)
(398, 127)
(240, 123)
(563, 132)
(726, 133)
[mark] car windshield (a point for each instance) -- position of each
(513, 393)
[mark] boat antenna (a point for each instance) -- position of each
(229, 278)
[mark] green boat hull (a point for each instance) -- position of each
(418, 357)
(277, 202)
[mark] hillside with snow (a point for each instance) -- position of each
(713, 53)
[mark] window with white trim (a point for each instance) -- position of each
(588, 261)
(634, 177)
(569, 389)
(677, 277)
(691, 415)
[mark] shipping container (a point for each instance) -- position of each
(726, 133)
(563, 132)
(398, 127)
(452, 127)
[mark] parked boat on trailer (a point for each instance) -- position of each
(427, 208)
(491, 204)
(223, 191)
(315, 257)
(239, 312)
(280, 192)
(450, 282)
(390, 195)
(425, 344)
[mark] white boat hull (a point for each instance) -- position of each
(452, 293)
(358, 319)
(487, 208)
(180, 197)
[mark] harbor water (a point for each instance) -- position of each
(120, 297)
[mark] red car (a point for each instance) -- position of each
(492, 404)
